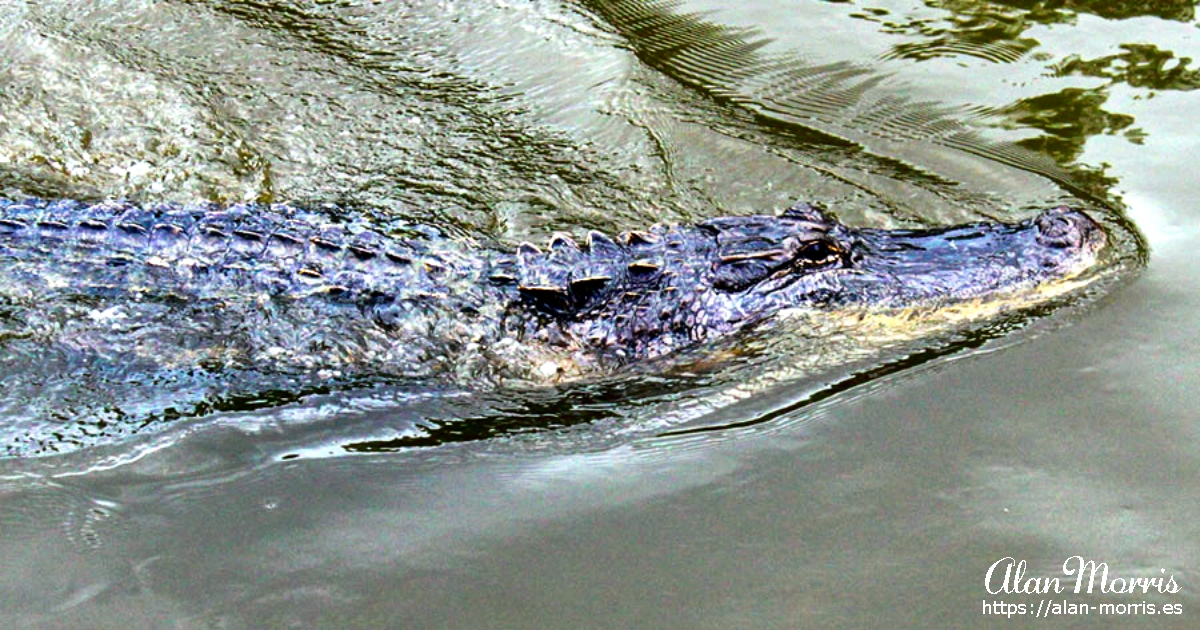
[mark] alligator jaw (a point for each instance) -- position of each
(910, 268)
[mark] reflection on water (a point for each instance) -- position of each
(1139, 66)
(1004, 33)
(1067, 118)
(512, 120)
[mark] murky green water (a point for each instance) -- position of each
(874, 495)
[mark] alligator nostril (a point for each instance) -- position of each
(1063, 228)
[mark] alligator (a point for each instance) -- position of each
(276, 288)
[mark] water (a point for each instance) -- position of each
(877, 494)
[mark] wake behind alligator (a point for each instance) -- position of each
(289, 297)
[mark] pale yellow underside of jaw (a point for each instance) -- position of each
(910, 321)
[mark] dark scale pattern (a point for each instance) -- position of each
(639, 295)
(317, 294)
(277, 248)
(116, 317)
(650, 292)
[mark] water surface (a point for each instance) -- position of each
(874, 494)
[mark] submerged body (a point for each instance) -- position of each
(280, 291)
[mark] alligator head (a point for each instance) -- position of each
(648, 293)
(821, 261)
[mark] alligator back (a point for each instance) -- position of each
(272, 288)
(199, 303)
(206, 251)
(567, 311)
(116, 317)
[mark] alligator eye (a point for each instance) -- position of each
(818, 254)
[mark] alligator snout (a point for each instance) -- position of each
(1064, 228)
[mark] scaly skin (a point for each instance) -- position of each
(572, 308)
(114, 316)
